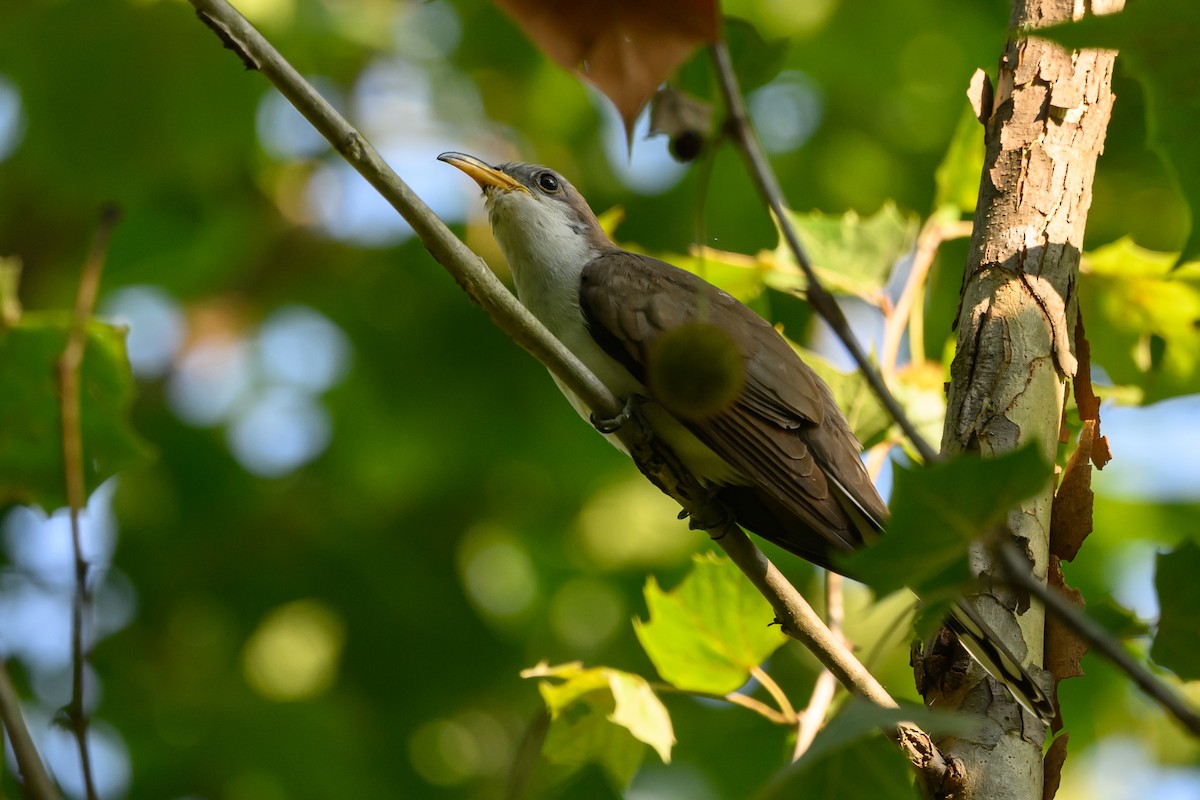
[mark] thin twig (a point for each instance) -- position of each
(813, 716)
(773, 689)
(69, 367)
(793, 612)
(1017, 569)
(933, 233)
(737, 699)
(36, 782)
(821, 300)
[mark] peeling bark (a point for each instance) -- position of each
(1016, 319)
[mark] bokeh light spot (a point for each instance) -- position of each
(156, 327)
(497, 572)
(632, 525)
(278, 431)
(585, 614)
(294, 654)
(210, 380)
(302, 347)
(786, 111)
(444, 753)
(12, 120)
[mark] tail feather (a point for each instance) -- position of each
(998, 661)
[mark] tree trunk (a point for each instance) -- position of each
(1016, 320)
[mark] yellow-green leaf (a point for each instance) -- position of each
(710, 631)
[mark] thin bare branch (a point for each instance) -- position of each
(36, 782)
(813, 716)
(69, 367)
(905, 313)
(746, 139)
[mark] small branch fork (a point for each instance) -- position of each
(69, 368)
(794, 614)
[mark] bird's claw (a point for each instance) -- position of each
(715, 519)
(613, 424)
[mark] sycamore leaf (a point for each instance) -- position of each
(937, 512)
(602, 715)
(851, 254)
(1143, 318)
(710, 631)
(1157, 40)
(625, 48)
(31, 466)
(1179, 598)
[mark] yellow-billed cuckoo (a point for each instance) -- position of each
(778, 453)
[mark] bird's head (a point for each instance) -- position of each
(540, 220)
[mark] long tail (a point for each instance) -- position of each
(998, 661)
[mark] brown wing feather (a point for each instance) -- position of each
(808, 491)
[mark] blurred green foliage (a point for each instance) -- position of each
(462, 524)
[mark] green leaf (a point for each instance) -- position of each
(710, 631)
(1157, 41)
(1179, 598)
(755, 60)
(957, 177)
(31, 463)
(1116, 619)
(851, 254)
(937, 512)
(1142, 318)
(602, 715)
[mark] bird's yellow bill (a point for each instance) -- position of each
(484, 174)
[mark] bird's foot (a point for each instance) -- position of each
(714, 518)
(613, 424)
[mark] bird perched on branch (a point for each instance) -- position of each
(729, 396)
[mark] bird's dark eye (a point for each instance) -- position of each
(548, 182)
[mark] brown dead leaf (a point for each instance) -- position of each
(1071, 514)
(1085, 398)
(625, 48)
(1052, 766)
(1064, 649)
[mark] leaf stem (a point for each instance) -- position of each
(69, 368)
(780, 697)
(909, 311)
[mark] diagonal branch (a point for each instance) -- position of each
(818, 297)
(793, 613)
(1016, 568)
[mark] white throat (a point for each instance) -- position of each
(546, 250)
